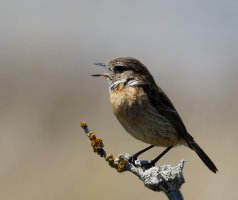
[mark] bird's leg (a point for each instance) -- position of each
(134, 157)
(152, 162)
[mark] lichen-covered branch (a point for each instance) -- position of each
(158, 178)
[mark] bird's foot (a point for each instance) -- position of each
(143, 164)
(132, 159)
(147, 165)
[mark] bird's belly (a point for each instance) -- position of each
(142, 121)
(150, 129)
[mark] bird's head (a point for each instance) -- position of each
(126, 70)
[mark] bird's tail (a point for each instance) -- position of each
(204, 157)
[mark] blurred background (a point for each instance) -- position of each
(47, 51)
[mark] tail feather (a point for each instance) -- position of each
(204, 157)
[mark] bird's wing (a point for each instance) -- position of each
(165, 107)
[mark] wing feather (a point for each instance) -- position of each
(165, 107)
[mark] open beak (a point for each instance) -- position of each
(106, 75)
(100, 64)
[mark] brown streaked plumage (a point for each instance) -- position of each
(144, 110)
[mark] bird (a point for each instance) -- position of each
(145, 111)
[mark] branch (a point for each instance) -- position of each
(158, 178)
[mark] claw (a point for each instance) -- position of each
(132, 159)
(148, 165)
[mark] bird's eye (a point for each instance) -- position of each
(119, 69)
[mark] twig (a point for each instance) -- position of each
(158, 178)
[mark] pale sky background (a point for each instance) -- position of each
(47, 51)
